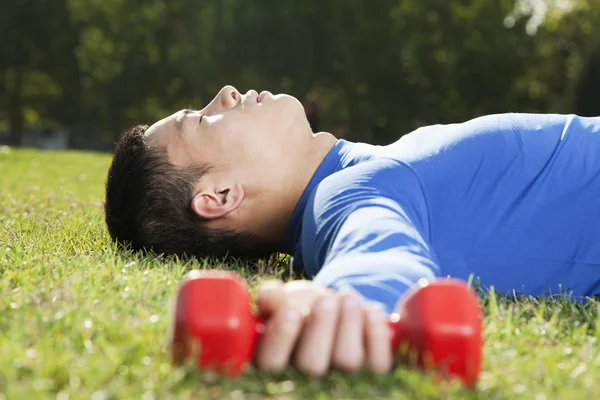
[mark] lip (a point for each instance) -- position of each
(253, 94)
(262, 95)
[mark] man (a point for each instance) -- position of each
(510, 199)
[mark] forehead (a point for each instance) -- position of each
(162, 131)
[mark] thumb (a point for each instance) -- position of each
(270, 297)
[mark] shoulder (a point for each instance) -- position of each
(381, 177)
(381, 183)
(370, 193)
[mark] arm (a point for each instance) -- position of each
(372, 235)
(367, 227)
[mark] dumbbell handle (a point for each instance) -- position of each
(438, 325)
(402, 340)
(399, 331)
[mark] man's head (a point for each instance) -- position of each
(221, 179)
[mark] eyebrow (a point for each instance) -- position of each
(179, 120)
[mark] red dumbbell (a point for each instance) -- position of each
(437, 324)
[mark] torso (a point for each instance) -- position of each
(512, 198)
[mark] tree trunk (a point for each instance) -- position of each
(16, 117)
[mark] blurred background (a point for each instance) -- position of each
(76, 73)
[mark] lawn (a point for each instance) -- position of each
(79, 319)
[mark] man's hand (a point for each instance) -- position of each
(316, 329)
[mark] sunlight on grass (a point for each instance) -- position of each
(81, 320)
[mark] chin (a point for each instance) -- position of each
(292, 104)
(291, 110)
(287, 98)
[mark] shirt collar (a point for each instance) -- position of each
(332, 162)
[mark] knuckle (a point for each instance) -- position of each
(312, 369)
(381, 367)
(376, 324)
(350, 300)
(374, 312)
(274, 367)
(326, 305)
(285, 328)
(380, 332)
(267, 362)
(347, 363)
(380, 360)
(266, 365)
(287, 323)
(308, 364)
(318, 372)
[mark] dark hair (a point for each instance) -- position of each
(148, 205)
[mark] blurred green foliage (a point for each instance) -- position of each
(379, 68)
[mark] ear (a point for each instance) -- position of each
(217, 202)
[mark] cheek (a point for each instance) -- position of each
(202, 149)
(254, 140)
(289, 117)
(181, 153)
(253, 147)
(236, 144)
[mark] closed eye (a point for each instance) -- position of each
(181, 119)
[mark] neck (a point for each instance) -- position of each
(321, 144)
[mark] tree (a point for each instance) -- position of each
(381, 68)
(29, 48)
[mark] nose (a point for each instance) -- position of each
(229, 97)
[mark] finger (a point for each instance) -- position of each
(378, 341)
(273, 294)
(313, 354)
(348, 352)
(275, 346)
(302, 294)
(270, 297)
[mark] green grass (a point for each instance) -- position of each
(78, 319)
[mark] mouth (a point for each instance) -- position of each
(253, 95)
(262, 95)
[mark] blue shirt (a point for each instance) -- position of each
(511, 199)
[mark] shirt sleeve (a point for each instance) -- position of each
(366, 229)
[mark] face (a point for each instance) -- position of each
(256, 146)
(236, 134)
